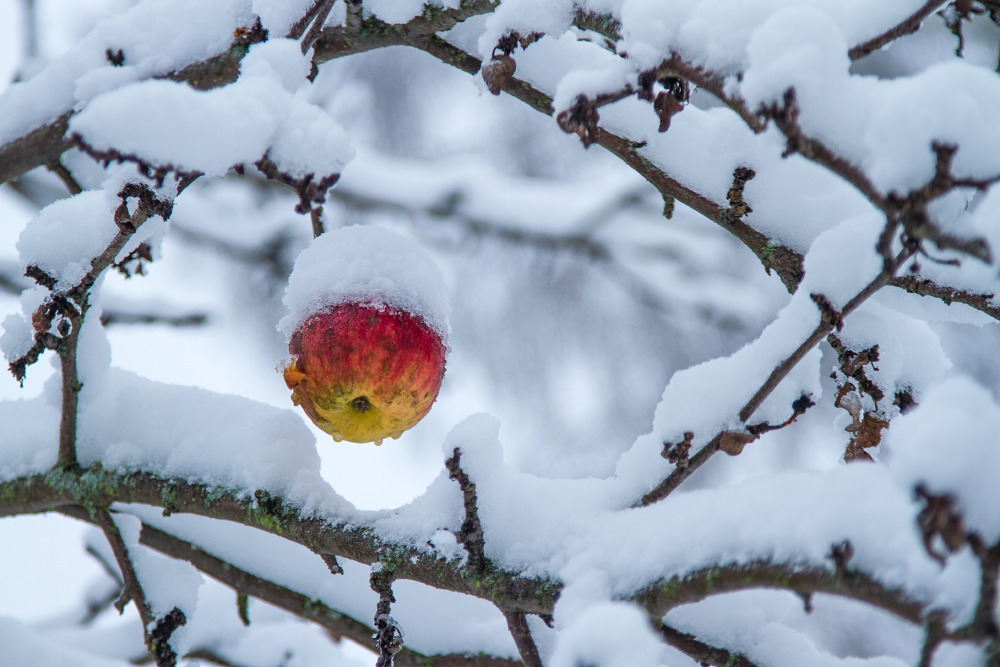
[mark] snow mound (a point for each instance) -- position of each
(370, 265)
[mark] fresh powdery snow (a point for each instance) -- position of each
(588, 534)
(155, 37)
(370, 265)
(167, 583)
(611, 634)
(25, 646)
(167, 123)
(84, 225)
(859, 117)
(949, 445)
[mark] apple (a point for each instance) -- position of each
(363, 372)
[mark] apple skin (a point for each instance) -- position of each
(364, 373)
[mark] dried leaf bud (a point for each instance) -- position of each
(581, 118)
(497, 72)
(666, 105)
(732, 443)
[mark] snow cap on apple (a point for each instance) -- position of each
(367, 333)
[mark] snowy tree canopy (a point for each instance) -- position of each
(716, 282)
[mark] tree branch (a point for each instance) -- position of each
(471, 533)
(95, 487)
(846, 582)
(335, 622)
(371, 33)
(517, 623)
(157, 631)
(43, 145)
(701, 652)
(71, 307)
(509, 591)
(829, 321)
(388, 635)
(66, 177)
(910, 25)
(786, 262)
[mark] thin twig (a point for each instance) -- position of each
(471, 533)
(299, 27)
(114, 317)
(129, 577)
(984, 622)
(353, 18)
(317, 25)
(934, 633)
(850, 583)
(128, 223)
(65, 176)
(517, 623)
(700, 652)
(335, 622)
(908, 26)
(71, 387)
(827, 324)
(388, 635)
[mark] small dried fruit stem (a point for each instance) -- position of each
(316, 215)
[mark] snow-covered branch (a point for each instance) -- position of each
(315, 611)
(865, 500)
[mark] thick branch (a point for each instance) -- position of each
(42, 145)
(96, 487)
(509, 591)
(243, 582)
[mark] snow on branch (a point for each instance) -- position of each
(158, 629)
(247, 584)
(863, 204)
(58, 320)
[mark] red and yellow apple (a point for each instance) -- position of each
(364, 372)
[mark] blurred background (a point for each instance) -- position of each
(573, 298)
